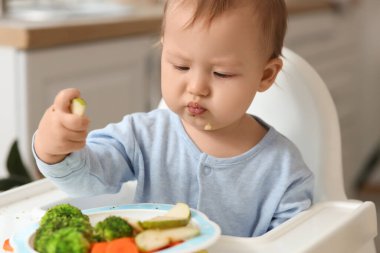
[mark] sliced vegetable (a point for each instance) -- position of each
(180, 210)
(162, 222)
(99, 247)
(178, 216)
(151, 240)
(154, 239)
(122, 245)
(7, 246)
(78, 106)
(134, 224)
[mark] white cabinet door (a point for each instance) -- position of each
(112, 76)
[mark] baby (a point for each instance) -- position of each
(206, 150)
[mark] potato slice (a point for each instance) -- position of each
(180, 210)
(154, 239)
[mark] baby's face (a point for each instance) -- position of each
(210, 74)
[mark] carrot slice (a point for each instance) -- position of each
(172, 244)
(7, 246)
(99, 247)
(122, 245)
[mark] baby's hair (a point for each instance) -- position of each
(272, 15)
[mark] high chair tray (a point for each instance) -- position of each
(331, 226)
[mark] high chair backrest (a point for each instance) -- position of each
(300, 106)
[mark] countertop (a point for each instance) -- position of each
(146, 18)
(33, 35)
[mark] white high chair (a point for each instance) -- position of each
(300, 107)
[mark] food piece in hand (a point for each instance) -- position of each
(178, 216)
(78, 106)
(154, 239)
(111, 228)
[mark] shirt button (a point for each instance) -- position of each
(207, 171)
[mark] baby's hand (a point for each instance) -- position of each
(60, 132)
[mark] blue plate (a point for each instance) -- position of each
(210, 231)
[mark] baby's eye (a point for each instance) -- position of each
(222, 75)
(181, 68)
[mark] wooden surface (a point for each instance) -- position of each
(33, 35)
(43, 37)
(147, 19)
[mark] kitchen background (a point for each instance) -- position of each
(108, 50)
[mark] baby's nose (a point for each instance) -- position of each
(199, 86)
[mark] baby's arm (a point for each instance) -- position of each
(60, 132)
(297, 198)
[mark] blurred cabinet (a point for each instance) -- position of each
(328, 40)
(8, 127)
(369, 72)
(114, 77)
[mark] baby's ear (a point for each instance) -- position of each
(271, 69)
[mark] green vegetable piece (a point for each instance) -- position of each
(112, 227)
(67, 240)
(60, 211)
(178, 216)
(41, 237)
(57, 218)
(163, 222)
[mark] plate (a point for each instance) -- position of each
(210, 231)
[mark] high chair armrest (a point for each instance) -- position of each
(336, 226)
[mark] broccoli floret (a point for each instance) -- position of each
(61, 211)
(41, 237)
(67, 240)
(111, 228)
(57, 218)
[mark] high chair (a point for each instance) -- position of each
(299, 106)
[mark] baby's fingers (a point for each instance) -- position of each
(62, 101)
(76, 136)
(74, 122)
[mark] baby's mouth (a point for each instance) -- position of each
(195, 109)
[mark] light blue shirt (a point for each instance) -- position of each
(247, 195)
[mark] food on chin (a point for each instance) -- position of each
(208, 127)
(64, 228)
